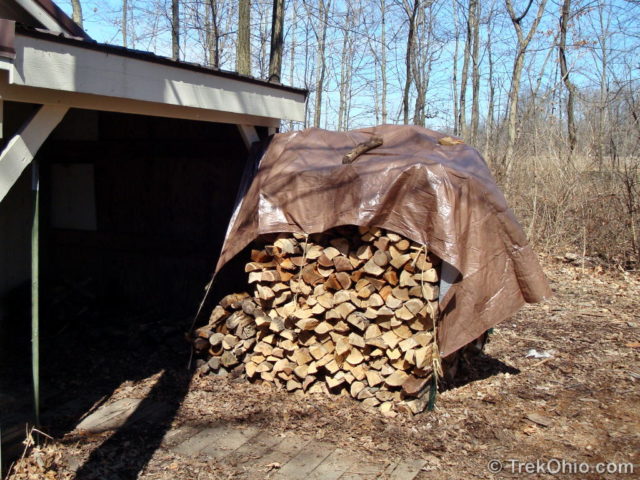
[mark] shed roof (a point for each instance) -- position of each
(60, 67)
(50, 59)
(146, 56)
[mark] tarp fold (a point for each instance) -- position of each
(442, 196)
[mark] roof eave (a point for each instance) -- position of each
(82, 74)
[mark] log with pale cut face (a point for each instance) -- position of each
(350, 311)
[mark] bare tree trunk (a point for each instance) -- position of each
(462, 110)
(175, 29)
(294, 27)
(352, 20)
(265, 37)
(376, 94)
(562, 45)
(420, 114)
(309, 28)
(423, 61)
(275, 57)
(213, 34)
(349, 94)
(604, 91)
(634, 111)
(488, 148)
(323, 15)
(475, 75)
(243, 48)
(454, 77)
(532, 107)
(125, 11)
(512, 111)
(383, 61)
(518, 64)
(411, 14)
(76, 12)
(344, 74)
(417, 67)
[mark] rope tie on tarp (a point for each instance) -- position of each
(304, 264)
(436, 360)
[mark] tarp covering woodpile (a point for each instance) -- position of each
(437, 193)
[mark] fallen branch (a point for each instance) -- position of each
(360, 149)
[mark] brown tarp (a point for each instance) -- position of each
(437, 195)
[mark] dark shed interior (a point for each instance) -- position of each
(133, 212)
(147, 234)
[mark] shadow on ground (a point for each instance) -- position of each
(125, 453)
(84, 363)
(476, 367)
(120, 354)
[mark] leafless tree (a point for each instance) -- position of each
(411, 9)
(175, 29)
(263, 13)
(243, 46)
(275, 58)
(490, 119)
(77, 12)
(562, 57)
(603, 47)
(474, 22)
(125, 22)
(213, 33)
(523, 42)
(427, 50)
(462, 107)
(383, 60)
(319, 27)
(454, 73)
(293, 41)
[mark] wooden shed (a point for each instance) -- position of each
(119, 170)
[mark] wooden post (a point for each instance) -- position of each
(249, 135)
(16, 156)
(35, 292)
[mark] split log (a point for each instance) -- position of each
(349, 311)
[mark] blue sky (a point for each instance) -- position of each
(102, 22)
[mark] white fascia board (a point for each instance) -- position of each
(45, 96)
(67, 68)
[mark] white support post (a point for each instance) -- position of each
(33, 8)
(24, 145)
(1, 118)
(249, 135)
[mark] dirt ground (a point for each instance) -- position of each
(582, 404)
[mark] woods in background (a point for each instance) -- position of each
(547, 90)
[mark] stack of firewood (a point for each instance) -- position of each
(348, 311)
